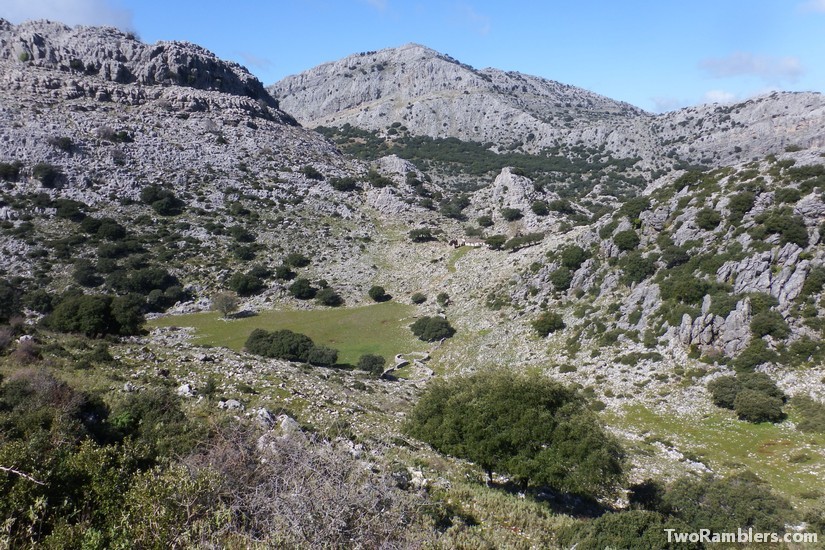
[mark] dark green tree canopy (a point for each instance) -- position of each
(532, 428)
(431, 329)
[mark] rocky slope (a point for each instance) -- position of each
(432, 94)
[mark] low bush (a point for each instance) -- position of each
(547, 323)
(430, 329)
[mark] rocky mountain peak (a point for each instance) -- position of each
(122, 58)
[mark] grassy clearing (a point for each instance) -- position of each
(382, 329)
(792, 462)
(457, 255)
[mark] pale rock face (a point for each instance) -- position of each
(433, 94)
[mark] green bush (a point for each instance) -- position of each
(548, 322)
(511, 214)
(572, 257)
(302, 289)
(636, 267)
(626, 240)
(245, 284)
(97, 316)
(769, 323)
(755, 406)
(296, 259)
(725, 505)
(522, 241)
(485, 221)
(781, 221)
(739, 205)
(418, 298)
(757, 353)
(328, 297)
(378, 294)
(280, 344)
(811, 413)
(708, 219)
(630, 530)
(430, 329)
(724, 390)
(373, 364)
(528, 427)
(10, 171)
(496, 242)
(343, 185)
(48, 175)
(633, 207)
(561, 279)
(163, 201)
(311, 173)
(322, 356)
(540, 208)
(421, 235)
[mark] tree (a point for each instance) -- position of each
(756, 406)
(48, 175)
(373, 364)
(527, 426)
(322, 356)
(296, 259)
(225, 303)
(430, 329)
(328, 297)
(245, 284)
(540, 208)
(708, 219)
(378, 294)
(418, 298)
(443, 299)
(421, 235)
(496, 242)
(547, 323)
(281, 344)
(572, 257)
(511, 214)
(561, 279)
(723, 391)
(626, 240)
(302, 289)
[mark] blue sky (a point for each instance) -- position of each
(656, 54)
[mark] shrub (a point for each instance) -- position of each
(97, 316)
(296, 259)
(511, 214)
(626, 240)
(755, 354)
(529, 427)
(442, 299)
(572, 257)
(311, 173)
(755, 406)
(225, 303)
(725, 505)
(636, 529)
(812, 414)
(162, 201)
(495, 242)
(302, 289)
(379, 181)
(674, 256)
(723, 391)
(787, 195)
(739, 205)
(781, 221)
(322, 356)
(548, 322)
(561, 279)
(418, 298)
(10, 171)
(769, 323)
(343, 185)
(636, 267)
(378, 294)
(373, 364)
(430, 329)
(421, 235)
(48, 175)
(633, 207)
(328, 297)
(281, 344)
(485, 221)
(522, 241)
(540, 208)
(708, 219)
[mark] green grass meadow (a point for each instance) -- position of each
(382, 329)
(791, 461)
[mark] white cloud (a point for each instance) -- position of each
(719, 96)
(665, 104)
(70, 12)
(770, 69)
(813, 5)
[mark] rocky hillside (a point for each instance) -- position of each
(432, 94)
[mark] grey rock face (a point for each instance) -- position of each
(432, 94)
(119, 57)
